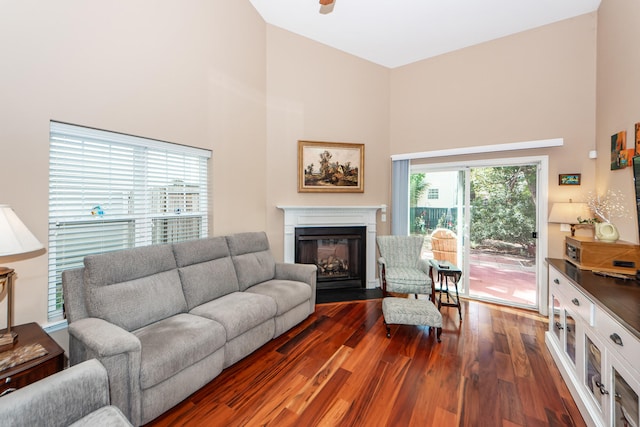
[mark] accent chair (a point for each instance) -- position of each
(401, 268)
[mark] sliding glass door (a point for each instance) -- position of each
(489, 215)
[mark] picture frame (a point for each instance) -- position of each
(330, 167)
(569, 179)
(618, 150)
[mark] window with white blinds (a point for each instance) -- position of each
(111, 191)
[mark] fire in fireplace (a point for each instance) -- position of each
(339, 253)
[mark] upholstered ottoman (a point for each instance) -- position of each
(405, 311)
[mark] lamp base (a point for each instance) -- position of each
(7, 340)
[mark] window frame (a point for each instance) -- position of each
(147, 182)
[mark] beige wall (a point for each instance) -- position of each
(187, 72)
(317, 93)
(618, 102)
(534, 85)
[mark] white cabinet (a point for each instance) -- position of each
(596, 355)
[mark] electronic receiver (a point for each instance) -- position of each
(587, 253)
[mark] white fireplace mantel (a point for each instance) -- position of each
(333, 216)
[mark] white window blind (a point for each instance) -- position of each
(110, 191)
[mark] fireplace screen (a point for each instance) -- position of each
(338, 252)
(333, 258)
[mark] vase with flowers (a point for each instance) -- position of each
(607, 207)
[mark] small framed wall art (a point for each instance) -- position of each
(330, 167)
(619, 154)
(569, 179)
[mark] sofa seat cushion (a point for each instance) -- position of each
(286, 293)
(173, 344)
(107, 416)
(238, 312)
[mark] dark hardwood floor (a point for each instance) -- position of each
(338, 368)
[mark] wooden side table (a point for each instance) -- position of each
(446, 271)
(33, 370)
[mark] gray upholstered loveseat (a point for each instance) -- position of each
(166, 319)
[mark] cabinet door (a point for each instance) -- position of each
(624, 401)
(556, 326)
(570, 336)
(593, 369)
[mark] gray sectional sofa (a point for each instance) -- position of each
(166, 319)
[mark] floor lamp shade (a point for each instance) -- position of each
(15, 239)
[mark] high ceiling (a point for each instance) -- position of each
(393, 33)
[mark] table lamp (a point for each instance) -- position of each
(568, 213)
(15, 239)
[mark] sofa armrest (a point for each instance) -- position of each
(305, 273)
(103, 338)
(299, 272)
(119, 351)
(58, 400)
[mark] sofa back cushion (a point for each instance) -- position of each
(134, 287)
(252, 258)
(206, 270)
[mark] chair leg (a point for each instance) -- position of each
(388, 328)
(438, 333)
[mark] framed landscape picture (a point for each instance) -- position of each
(330, 167)
(569, 179)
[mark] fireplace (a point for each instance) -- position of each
(338, 252)
(335, 216)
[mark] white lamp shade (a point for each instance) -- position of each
(15, 237)
(568, 213)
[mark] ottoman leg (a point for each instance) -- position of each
(388, 328)
(438, 333)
